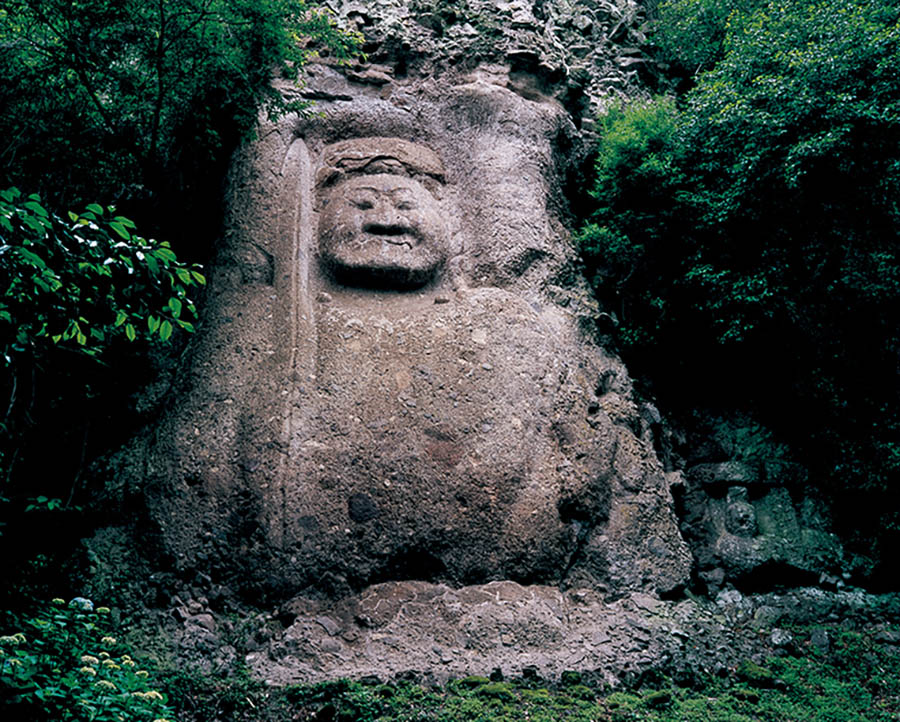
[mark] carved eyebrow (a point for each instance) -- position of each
(395, 189)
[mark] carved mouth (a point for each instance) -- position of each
(385, 229)
(399, 242)
(394, 234)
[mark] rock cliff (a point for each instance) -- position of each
(398, 421)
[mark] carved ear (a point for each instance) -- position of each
(322, 191)
(434, 187)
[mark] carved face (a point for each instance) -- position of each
(382, 231)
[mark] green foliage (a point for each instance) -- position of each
(82, 283)
(473, 681)
(197, 698)
(120, 99)
(64, 665)
(638, 169)
(75, 292)
(751, 225)
(342, 700)
(496, 690)
(141, 104)
(755, 674)
(690, 34)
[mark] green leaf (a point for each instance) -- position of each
(120, 229)
(130, 332)
(165, 330)
(33, 223)
(120, 318)
(175, 305)
(32, 258)
(94, 208)
(36, 207)
(153, 323)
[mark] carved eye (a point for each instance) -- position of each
(364, 204)
(405, 205)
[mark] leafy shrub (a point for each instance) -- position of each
(64, 664)
(81, 283)
(75, 291)
(690, 34)
(342, 700)
(747, 232)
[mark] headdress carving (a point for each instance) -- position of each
(361, 156)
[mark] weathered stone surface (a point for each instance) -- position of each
(394, 380)
(725, 472)
(397, 422)
(396, 628)
(397, 376)
(397, 425)
(431, 633)
(581, 53)
(743, 533)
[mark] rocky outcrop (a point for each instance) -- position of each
(582, 54)
(429, 633)
(398, 422)
(397, 378)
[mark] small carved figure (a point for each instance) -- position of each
(740, 516)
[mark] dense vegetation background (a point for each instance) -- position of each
(746, 231)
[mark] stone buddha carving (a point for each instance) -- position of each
(400, 390)
(427, 395)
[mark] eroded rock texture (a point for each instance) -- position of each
(397, 423)
(397, 379)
